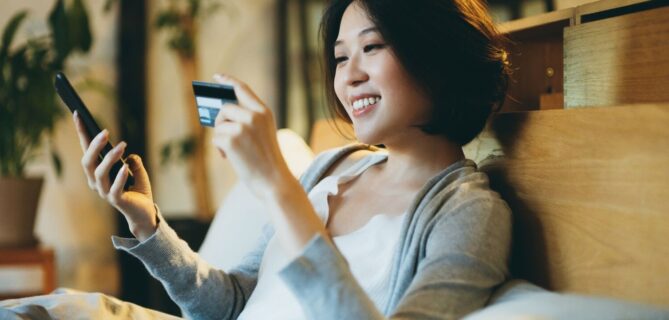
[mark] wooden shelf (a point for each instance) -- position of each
(571, 51)
(607, 6)
(539, 21)
(36, 256)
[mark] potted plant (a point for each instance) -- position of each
(29, 110)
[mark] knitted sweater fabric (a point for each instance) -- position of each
(452, 253)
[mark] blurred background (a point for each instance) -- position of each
(132, 62)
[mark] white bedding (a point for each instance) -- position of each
(72, 304)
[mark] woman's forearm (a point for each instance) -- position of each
(292, 214)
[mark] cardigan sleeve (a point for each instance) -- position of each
(200, 290)
(465, 258)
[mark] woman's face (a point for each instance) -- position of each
(378, 94)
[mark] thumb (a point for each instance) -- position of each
(136, 166)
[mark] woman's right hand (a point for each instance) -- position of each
(136, 204)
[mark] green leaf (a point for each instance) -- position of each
(8, 36)
(194, 7)
(187, 147)
(28, 101)
(166, 19)
(57, 163)
(79, 28)
(59, 30)
(182, 43)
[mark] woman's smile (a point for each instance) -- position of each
(364, 105)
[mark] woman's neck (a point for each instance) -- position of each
(415, 158)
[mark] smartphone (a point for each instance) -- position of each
(74, 103)
(209, 97)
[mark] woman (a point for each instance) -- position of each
(411, 231)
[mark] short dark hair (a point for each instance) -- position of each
(451, 48)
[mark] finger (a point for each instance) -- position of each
(228, 129)
(226, 136)
(221, 149)
(102, 171)
(222, 153)
(235, 113)
(245, 95)
(218, 145)
(91, 158)
(142, 183)
(84, 139)
(116, 190)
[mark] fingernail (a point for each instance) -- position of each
(119, 148)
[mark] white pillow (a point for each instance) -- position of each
(519, 299)
(240, 217)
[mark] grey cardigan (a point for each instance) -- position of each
(452, 253)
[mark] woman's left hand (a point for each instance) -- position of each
(245, 133)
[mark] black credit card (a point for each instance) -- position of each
(209, 97)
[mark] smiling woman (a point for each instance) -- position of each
(411, 231)
(447, 55)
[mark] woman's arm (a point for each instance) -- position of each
(245, 134)
(464, 259)
(200, 290)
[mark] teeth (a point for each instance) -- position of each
(365, 102)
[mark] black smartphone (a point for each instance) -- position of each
(74, 103)
(209, 97)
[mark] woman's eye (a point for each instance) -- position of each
(371, 47)
(341, 59)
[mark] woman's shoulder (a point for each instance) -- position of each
(469, 188)
(468, 205)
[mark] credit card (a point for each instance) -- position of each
(209, 97)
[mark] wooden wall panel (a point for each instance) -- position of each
(618, 60)
(589, 189)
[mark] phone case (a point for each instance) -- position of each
(74, 103)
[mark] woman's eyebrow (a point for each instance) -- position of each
(360, 34)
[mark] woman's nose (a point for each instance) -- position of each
(354, 72)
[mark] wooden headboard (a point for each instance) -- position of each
(589, 190)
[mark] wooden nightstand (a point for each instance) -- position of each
(15, 260)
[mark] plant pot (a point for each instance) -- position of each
(18, 208)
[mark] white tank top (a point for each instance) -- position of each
(369, 252)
